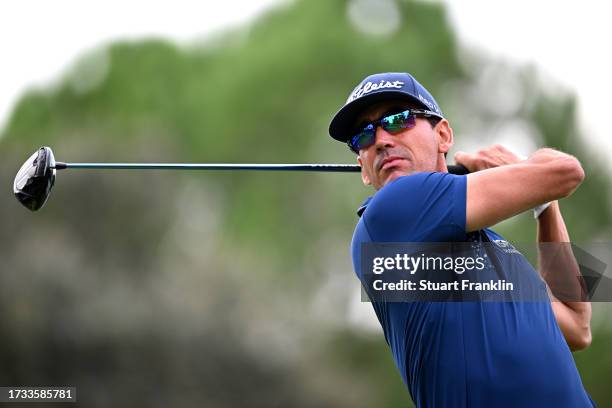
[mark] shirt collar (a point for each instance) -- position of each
(363, 206)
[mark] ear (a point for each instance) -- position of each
(445, 136)
(364, 177)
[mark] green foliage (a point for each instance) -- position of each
(594, 366)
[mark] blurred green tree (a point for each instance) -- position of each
(148, 289)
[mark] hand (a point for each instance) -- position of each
(494, 156)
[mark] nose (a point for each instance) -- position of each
(384, 139)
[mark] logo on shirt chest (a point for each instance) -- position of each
(506, 246)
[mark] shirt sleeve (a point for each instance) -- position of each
(422, 207)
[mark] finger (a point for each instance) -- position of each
(462, 157)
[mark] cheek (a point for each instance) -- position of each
(423, 147)
(367, 165)
(367, 162)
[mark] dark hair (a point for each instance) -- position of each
(433, 120)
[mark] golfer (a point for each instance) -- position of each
(463, 354)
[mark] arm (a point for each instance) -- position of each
(504, 186)
(501, 186)
(558, 266)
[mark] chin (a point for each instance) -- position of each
(395, 174)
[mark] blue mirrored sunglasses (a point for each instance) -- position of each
(392, 123)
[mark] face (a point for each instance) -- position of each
(393, 155)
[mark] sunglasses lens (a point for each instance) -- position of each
(363, 139)
(392, 124)
(398, 122)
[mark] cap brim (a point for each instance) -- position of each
(344, 120)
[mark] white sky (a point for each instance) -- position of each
(567, 40)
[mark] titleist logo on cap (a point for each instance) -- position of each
(429, 104)
(373, 86)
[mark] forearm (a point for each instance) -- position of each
(561, 272)
(496, 191)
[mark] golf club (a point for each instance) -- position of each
(36, 176)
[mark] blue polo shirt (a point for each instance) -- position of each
(465, 354)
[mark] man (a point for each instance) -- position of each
(463, 354)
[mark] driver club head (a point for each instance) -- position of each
(35, 179)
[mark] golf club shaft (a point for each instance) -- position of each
(338, 168)
(212, 166)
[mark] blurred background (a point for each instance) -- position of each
(236, 289)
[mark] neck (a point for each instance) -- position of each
(441, 164)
